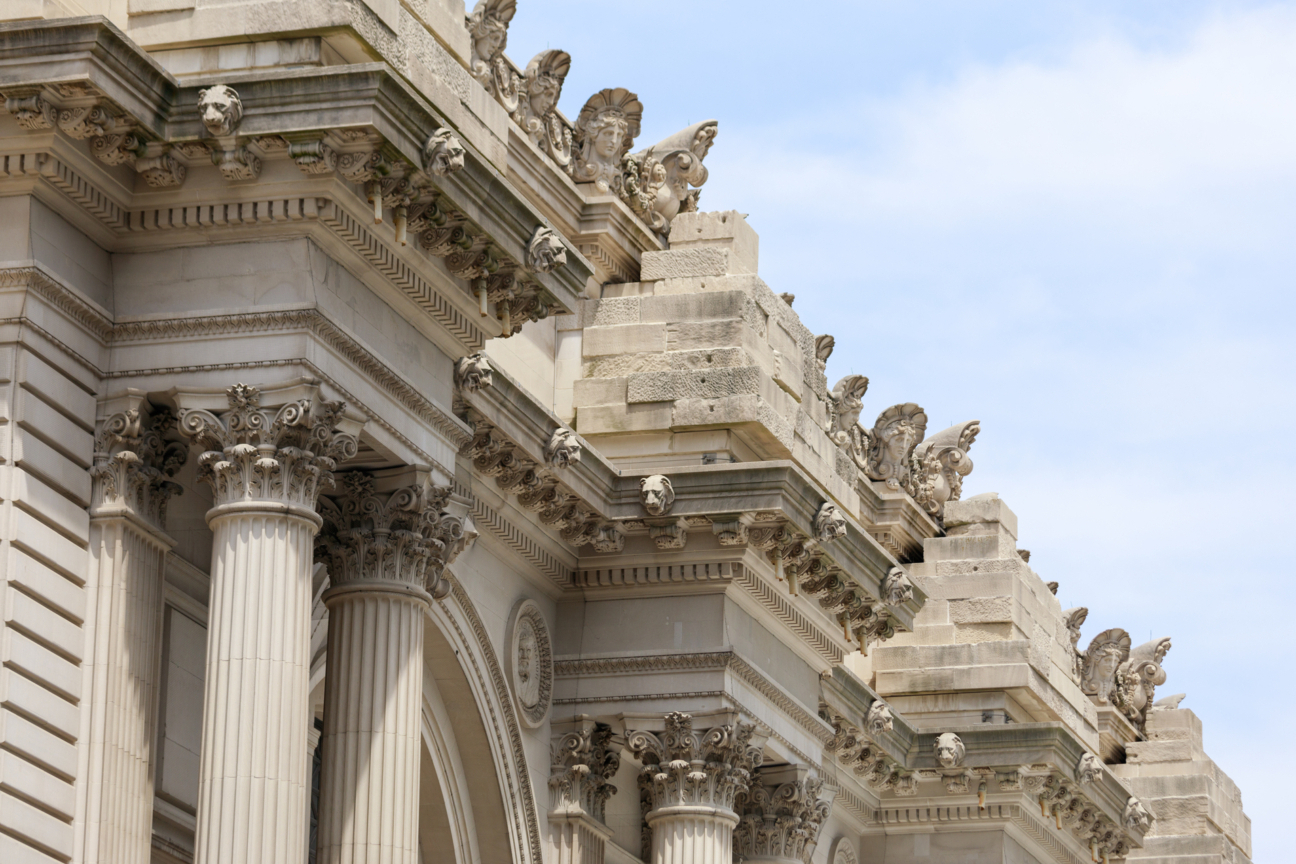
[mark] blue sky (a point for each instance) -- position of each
(1071, 220)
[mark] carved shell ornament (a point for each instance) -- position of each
(657, 494)
(221, 109)
(530, 663)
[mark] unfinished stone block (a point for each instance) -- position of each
(682, 263)
(624, 339)
(725, 230)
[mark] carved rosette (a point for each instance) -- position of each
(252, 454)
(685, 768)
(403, 537)
(133, 465)
(531, 663)
(582, 766)
(781, 821)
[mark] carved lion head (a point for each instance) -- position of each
(220, 108)
(563, 449)
(444, 153)
(473, 372)
(829, 523)
(949, 750)
(878, 719)
(656, 494)
(896, 588)
(1137, 817)
(546, 251)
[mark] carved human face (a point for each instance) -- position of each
(544, 96)
(899, 439)
(526, 654)
(1107, 665)
(607, 143)
(491, 41)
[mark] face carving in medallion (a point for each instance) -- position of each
(528, 680)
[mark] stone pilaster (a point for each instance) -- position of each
(265, 458)
(386, 551)
(781, 814)
(688, 787)
(130, 489)
(581, 770)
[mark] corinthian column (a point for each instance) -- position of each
(688, 786)
(386, 550)
(265, 466)
(781, 815)
(130, 489)
(581, 769)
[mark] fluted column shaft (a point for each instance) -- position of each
(692, 835)
(122, 668)
(265, 467)
(386, 542)
(369, 793)
(130, 488)
(254, 778)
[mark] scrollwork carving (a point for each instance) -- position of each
(939, 464)
(656, 182)
(1074, 619)
(252, 453)
(683, 767)
(31, 111)
(780, 821)
(133, 464)
(895, 434)
(582, 765)
(1137, 680)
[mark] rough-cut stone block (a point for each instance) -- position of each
(610, 419)
(702, 384)
(984, 509)
(726, 230)
(616, 310)
(624, 339)
(981, 610)
(692, 307)
(698, 335)
(748, 282)
(599, 391)
(682, 263)
(788, 373)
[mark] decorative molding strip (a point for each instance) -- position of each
(775, 601)
(644, 697)
(222, 215)
(67, 301)
(654, 574)
(712, 660)
(1014, 813)
(313, 321)
(521, 543)
(89, 197)
(855, 805)
(400, 274)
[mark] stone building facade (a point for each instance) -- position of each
(396, 469)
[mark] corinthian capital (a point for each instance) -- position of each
(133, 463)
(782, 813)
(684, 767)
(401, 536)
(273, 446)
(582, 766)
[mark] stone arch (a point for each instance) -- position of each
(495, 817)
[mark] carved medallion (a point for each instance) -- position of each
(843, 851)
(531, 663)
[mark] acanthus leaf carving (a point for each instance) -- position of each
(313, 157)
(31, 110)
(781, 821)
(133, 464)
(237, 163)
(1137, 679)
(161, 171)
(582, 765)
(285, 455)
(683, 767)
(938, 466)
(661, 182)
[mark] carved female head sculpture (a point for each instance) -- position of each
(949, 750)
(656, 494)
(1104, 655)
(221, 109)
(488, 28)
(895, 434)
(605, 130)
(544, 80)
